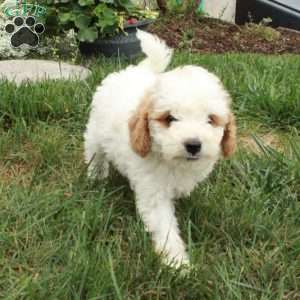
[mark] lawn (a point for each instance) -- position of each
(64, 237)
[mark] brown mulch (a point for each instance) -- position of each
(205, 35)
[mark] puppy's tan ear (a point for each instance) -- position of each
(139, 128)
(229, 138)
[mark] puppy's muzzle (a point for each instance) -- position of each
(192, 146)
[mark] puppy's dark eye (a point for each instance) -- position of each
(210, 120)
(170, 119)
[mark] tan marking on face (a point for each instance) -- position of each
(217, 121)
(162, 118)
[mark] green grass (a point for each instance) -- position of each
(63, 237)
(263, 87)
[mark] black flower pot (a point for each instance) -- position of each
(120, 45)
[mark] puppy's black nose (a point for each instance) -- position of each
(192, 146)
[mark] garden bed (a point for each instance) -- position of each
(207, 35)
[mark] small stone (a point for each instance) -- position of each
(33, 70)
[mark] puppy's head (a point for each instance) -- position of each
(185, 116)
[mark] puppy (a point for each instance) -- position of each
(164, 131)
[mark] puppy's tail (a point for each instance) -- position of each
(158, 53)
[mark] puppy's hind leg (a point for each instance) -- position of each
(98, 166)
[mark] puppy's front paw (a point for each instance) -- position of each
(172, 249)
(177, 260)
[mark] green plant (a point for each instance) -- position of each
(263, 30)
(92, 18)
(187, 39)
(186, 7)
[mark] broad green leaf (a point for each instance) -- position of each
(82, 21)
(99, 9)
(107, 22)
(88, 34)
(107, 17)
(66, 17)
(86, 2)
(125, 4)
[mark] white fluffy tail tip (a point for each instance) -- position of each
(158, 53)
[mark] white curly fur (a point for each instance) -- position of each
(168, 171)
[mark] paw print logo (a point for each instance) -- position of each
(24, 31)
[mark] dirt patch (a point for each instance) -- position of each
(268, 140)
(205, 35)
(19, 169)
(15, 172)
